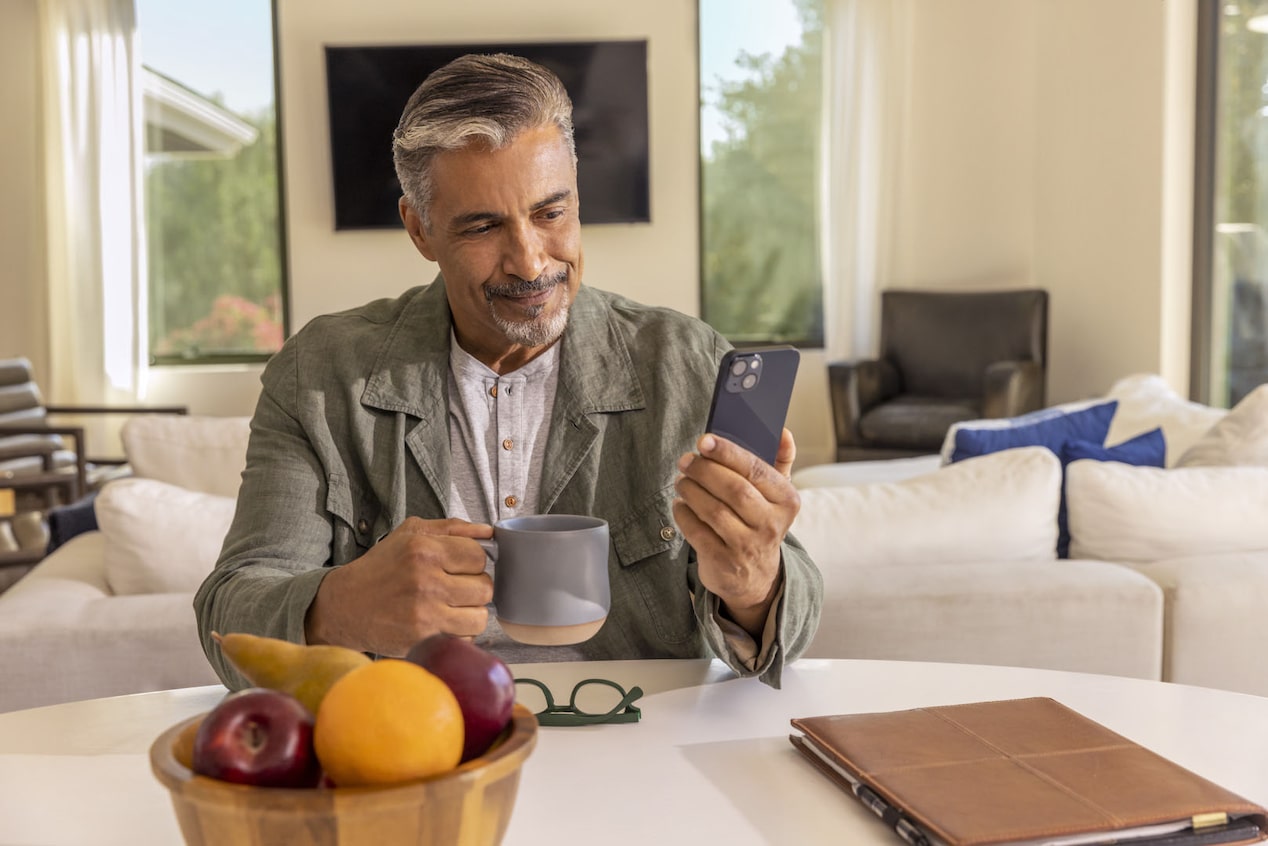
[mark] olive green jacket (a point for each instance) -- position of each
(351, 436)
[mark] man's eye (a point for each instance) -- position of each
(554, 214)
(479, 230)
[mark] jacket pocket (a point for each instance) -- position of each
(355, 526)
(653, 562)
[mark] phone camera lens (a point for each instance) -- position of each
(738, 368)
(749, 381)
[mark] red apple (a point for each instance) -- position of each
(481, 682)
(259, 737)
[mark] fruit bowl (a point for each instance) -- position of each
(470, 805)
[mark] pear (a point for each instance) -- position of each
(305, 672)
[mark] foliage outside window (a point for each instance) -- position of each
(213, 205)
(1237, 358)
(761, 84)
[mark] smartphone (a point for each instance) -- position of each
(751, 396)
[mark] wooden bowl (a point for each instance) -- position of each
(469, 805)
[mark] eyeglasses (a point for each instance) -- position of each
(585, 705)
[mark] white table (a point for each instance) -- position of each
(709, 763)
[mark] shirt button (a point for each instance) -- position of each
(363, 526)
(667, 533)
(511, 502)
(508, 443)
(493, 392)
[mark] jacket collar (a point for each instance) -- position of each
(411, 373)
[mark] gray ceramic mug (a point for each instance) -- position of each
(550, 577)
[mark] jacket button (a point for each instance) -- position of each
(667, 533)
(363, 526)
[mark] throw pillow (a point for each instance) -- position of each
(1147, 450)
(190, 451)
(1146, 401)
(1240, 438)
(1048, 427)
(1124, 513)
(160, 538)
(994, 508)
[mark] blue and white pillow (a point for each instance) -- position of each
(1147, 450)
(1048, 427)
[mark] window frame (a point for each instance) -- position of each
(1204, 177)
(801, 343)
(283, 244)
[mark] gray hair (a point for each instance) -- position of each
(487, 99)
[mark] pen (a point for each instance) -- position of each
(890, 816)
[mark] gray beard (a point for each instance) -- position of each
(537, 331)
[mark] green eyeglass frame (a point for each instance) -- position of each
(569, 715)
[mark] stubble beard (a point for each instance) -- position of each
(536, 331)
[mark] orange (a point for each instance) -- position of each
(387, 722)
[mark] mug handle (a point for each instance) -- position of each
(490, 548)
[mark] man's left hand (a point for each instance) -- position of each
(735, 509)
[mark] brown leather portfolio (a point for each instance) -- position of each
(1020, 771)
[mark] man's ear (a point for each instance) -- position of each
(414, 226)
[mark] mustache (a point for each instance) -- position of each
(525, 287)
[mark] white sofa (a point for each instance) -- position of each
(1168, 573)
(948, 563)
(960, 565)
(111, 611)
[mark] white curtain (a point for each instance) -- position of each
(869, 53)
(93, 131)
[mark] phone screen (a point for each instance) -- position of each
(751, 397)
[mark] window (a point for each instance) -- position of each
(214, 231)
(1230, 348)
(761, 172)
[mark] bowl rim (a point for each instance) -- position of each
(506, 755)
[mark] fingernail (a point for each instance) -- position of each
(707, 443)
(685, 461)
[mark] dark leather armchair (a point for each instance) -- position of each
(945, 356)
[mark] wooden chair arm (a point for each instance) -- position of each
(75, 432)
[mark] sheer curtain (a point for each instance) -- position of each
(868, 60)
(94, 146)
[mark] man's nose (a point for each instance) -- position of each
(525, 252)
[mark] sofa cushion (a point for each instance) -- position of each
(863, 472)
(1124, 513)
(160, 538)
(1048, 427)
(1241, 437)
(197, 453)
(1147, 450)
(997, 507)
(1146, 401)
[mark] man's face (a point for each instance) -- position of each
(506, 234)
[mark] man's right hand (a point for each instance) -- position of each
(426, 576)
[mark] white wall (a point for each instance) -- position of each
(967, 175)
(1049, 143)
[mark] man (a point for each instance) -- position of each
(388, 438)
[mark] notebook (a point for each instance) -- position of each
(1020, 771)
